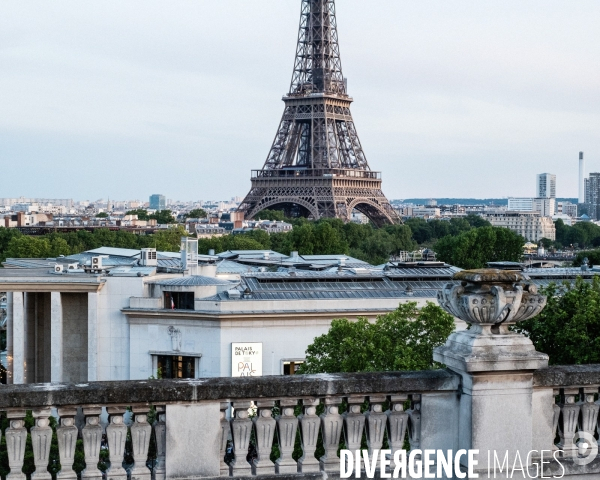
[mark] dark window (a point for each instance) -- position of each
(172, 366)
(291, 368)
(179, 300)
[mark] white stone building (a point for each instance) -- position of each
(530, 225)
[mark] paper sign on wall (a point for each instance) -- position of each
(246, 359)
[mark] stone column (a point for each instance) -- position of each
(193, 440)
(92, 438)
(160, 433)
(56, 337)
(309, 432)
(9, 337)
(496, 364)
(93, 336)
(18, 336)
(331, 429)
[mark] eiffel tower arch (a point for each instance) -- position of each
(316, 167)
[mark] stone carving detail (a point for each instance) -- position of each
(241, 429)
(555, 418)
(160, 432)
(492, 297)
(16, 436)
(92, 438)
(414, 423)
(397, 422)
(588, 420)
(264, 428)
(224, 438)
(175, 335)
(116, 434)
(331, 425)
(287, 427)
(354, 423)
(376, 422)
(41, 437)
(66, 434)
(140, 441)
(568, 426)
(309, 429)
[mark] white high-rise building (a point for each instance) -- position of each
(546, 185)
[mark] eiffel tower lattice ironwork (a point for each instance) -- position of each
(316, 167)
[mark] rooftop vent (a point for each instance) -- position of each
(234, 294)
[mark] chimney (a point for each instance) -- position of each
(581, 181)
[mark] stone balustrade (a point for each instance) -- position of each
(206, 427)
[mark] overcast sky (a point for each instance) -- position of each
(452, 98)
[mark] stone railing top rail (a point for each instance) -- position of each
(225, 388)
(567, 376)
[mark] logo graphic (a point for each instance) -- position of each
(587, 448)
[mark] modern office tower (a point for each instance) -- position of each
(546, 185)
(158, 202)
(592, 194)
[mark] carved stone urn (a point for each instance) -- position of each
(490, 300)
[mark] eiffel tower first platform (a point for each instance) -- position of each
(316, 167)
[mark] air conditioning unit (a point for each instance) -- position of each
(96, 263)
(148, 257)
(58, 268)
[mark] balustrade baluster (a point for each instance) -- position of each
(140, 441)
(264, 428)
(397, 422)
(570, 417)
(92, 438)
(66, 435)
(331, 428)
(354, 423)
(241, 429)
(588, 419)
(224, 469)
(160, 434)
(41, 437)
(309, 432)
(376, 422)
(414, 423)
(16, 437)
(287, 427)
(116, 435)
(555, 418)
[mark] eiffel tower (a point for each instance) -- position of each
(316, 167)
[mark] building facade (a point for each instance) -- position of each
(530, 225)
(158, 202)
(546, 185)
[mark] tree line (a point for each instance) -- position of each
(467, 243)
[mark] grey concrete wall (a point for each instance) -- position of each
(29, 334)
(42, 337)
(75, 333)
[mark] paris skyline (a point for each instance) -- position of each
(186, 99)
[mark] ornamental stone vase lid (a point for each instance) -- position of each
(490, 300)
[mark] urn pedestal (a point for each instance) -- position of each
(496, 365)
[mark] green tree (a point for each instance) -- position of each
(142, 213)
(28, 247)
(401, 340)
(272, 215)
(163, 217)
(196, 213)
(476, 247)
(102, 215)
(568, 329)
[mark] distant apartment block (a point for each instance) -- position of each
(530, 225)
(546, 185)
(158, 202)
(545, 206)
